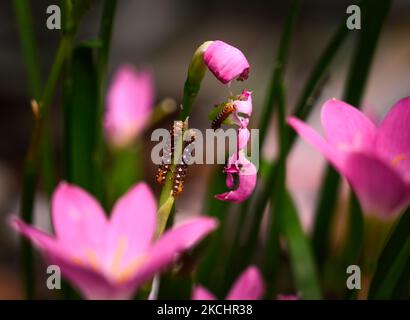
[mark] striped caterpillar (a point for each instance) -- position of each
(168, 152)
(181, 169)
(227, 110)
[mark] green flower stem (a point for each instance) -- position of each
(166, 200)
(196, 72)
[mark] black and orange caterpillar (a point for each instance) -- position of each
(181, 169)
(168, 152)
(227, 110)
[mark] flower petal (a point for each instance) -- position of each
(131, 227)
(200, 293)
(92, 284)
(129, 104)
(393, 137)
(312, 137)
(244, 103)
(226, 62)
(247, 176)
(346, 127)
(243, 137)
(249, 286)
(79, 221)
(379, 187)
(170, 245)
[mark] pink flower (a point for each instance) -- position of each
(129, 105)
(287, 297)
(249, 286)
(375, 160)
(246, 171)
(110, 258)
(226, 62)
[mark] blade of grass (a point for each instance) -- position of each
(80, 115)
(393, 260)
(278, 70)
(105, 33)
(300, 252)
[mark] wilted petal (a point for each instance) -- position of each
(244, 103)
(129, 105)
(200, 293)
(249, 286)
(131, 227)
(312, 137)
(79, 221)
(378, 186)
(393, 137)
(170, 245)
(247, 176)
(226, 62)
(243, 137)
(346, 127)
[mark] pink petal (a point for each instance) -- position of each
(131, 226)
(287, 297)
(79, 221)
(393, 137)
(247, 176)
(200, 293)
(243, 137)
(346, 127)
(249, 286)
(379, 187)
(313, 138)
(129, 105)
(244, 104)
(170, 246)
(90, 283)
(226, 62)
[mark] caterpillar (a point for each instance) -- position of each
(227, 110)
(168, 152)
(182, 168)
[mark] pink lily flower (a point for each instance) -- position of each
(110, 258)
(129, 105)
(374, 159)
(226, 62)
(249, 286)
(246, 171)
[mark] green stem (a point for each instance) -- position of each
(278, 196)
(32, 163)
(278, 70)
(30, 53)
(106, 27)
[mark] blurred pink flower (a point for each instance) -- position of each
(129, 105)
(110, 258)
(226, 62)
(287, 297)
(249, 286)
(246, 171)
(375, 160)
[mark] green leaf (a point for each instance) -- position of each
(82, 121)
(393, 261)
(300, 252)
